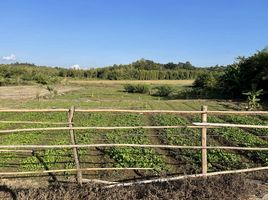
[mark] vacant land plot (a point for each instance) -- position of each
(28, 92)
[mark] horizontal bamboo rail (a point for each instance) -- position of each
(17, 151)
(33, 110)
(237, 112)
(138, 111)
(84, 180)
(174, 111)
(217, 125)
(70, 170)
(158, 180)
(129, 145)
(94, 128)
(32, 122)
(195, 125)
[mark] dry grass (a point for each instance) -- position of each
(29, 92)
(120, 82)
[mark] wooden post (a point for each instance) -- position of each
(204, 141)
(75, 151)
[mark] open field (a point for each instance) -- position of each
(30, 92)
(102, 94)
(120, 82)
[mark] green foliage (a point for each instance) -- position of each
(191, 93)
(191, 137)
(242, 75)
(252, 98)
(204, 86)
(137, 88)
(129, 156)
(205, 81)
(21, 73)
(122, 156)
(41, 79)
(237, 78)
(248, 120)
(135, 157)
(239, 137)
(163, 90)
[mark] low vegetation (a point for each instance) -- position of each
(137, 88)
(163, 90)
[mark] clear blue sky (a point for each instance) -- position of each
(96, 33)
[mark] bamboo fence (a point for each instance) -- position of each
(203, 125)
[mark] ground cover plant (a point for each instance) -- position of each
(39, 159)
(240, 137)
(122, 157)
(217, 159)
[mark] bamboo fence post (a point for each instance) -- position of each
(204, 141)
(75, 151)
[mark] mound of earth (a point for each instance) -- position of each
(225, 187)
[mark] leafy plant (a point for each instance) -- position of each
(240, 137)
(252, 99)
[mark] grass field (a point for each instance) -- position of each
(110, 94)
(100, 94)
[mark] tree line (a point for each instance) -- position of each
(23, 73)
(246, 75)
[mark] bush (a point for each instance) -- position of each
(205, 81)
(41, 79)
(190, 93)
(137, 88)
(163, 90)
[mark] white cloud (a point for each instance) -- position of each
(11, 57)
(76, 66)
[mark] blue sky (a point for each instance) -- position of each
(96, 33)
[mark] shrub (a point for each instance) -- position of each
(129, 88)
(137, 88)
(189, 93)
(205, 81)
(41, 79)
(163, 90)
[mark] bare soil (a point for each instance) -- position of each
(225, 187)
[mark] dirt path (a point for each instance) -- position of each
(165, 153)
